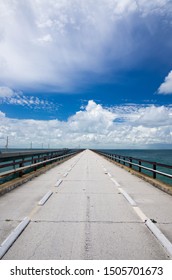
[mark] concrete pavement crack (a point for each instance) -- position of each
(164, 223)
(87, 247)
(11, 220)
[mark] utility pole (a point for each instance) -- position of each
(6, 145)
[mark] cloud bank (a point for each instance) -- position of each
(62, 44)
(93, 127)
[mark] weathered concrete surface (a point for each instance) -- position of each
(156, 204)
(22, 201)
(86, 217)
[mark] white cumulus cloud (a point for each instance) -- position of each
(166, 86)
(93, 119)
(94, 127)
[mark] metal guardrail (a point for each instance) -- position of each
(138, 163)
(20, 171)
(10, 160)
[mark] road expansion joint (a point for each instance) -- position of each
(84, 192)
(164, 223)
(84, 180)
(11, 220)
(84, 221)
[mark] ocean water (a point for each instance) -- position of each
(159, 156)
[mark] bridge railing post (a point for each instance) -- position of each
(35, 168)
(140, 163)
(44, 161)
(21, 165)
(154, 172)
(119, 159)
(14, 164)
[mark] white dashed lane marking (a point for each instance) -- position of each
(115, 182)
(58, 182)
(128, 197)
(13, 236)
(45, 198)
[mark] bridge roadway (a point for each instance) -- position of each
(88, 215)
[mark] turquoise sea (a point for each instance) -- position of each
(162, 156)
(159, 156)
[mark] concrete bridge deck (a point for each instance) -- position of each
(96, 211)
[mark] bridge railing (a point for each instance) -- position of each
(20, 166)
(156, 169)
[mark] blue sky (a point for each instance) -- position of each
(86, 73)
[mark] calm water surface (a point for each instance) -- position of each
(159, 156)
